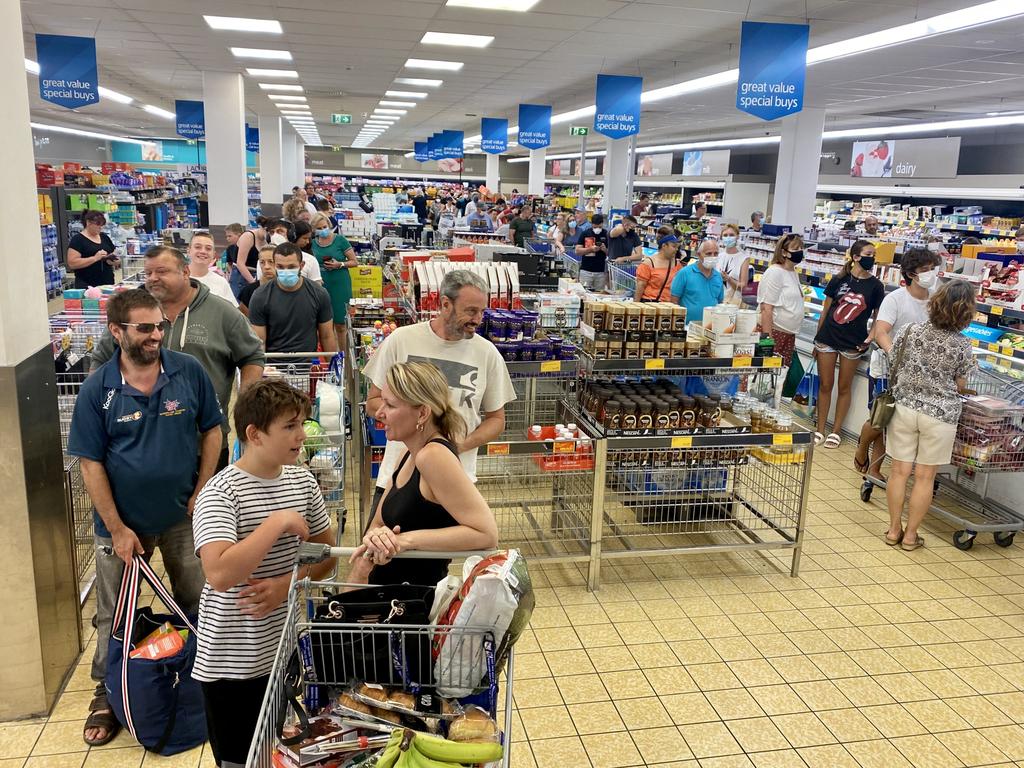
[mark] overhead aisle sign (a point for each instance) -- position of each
(190, 121)
(451, 143)
(421, 151)
(773, 64)
(493, 135)
(67, 70)
(252, 139)
(434, 146)
(618, 105)
(534, 126)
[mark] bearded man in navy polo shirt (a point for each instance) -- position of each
(140, 422)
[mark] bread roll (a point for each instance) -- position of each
(474, 725)
(384, 714)
(402, 699)
(357, 706)
(372, 692)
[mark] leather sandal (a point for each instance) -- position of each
(101, 716)
(894, 542)
(918, 543)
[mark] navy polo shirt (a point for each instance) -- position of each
(148, 444)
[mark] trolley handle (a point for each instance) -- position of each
(311, 553)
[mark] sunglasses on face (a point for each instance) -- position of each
(147, 328)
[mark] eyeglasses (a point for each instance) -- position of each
(147, 328)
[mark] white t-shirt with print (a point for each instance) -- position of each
(218, 287)
(898, 309)
(781, 288)
(478, 380)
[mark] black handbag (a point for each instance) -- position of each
(344, 652)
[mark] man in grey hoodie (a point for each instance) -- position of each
(199, 324)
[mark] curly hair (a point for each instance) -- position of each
(952, 307)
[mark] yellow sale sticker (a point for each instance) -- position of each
(551, 366)
(992, 347)
(997, 310)
(783, 439)
(497, 449)
(654, 365)
(773, 362)
(563, 446)
(742, 362)
(682, 442)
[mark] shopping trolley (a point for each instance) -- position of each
(306, 661)
(989, 440)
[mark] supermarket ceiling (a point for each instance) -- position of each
(347, 57)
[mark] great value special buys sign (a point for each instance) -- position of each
(190, 120)
(420, 151)
(434, 147)
(534, 126)
(252, 138)
(451, 144)
(67, 70)
(618, 105)
(493, 135)
(906, 158)
(773, 63)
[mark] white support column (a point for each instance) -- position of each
(288, 151)
(39, 614)
(300, 161)
(494, 173)
(224, 98)
(535, 183)
(616, 175)
(796, 177)
(271, 170)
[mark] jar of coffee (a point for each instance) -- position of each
(662, 418)
(615, 317)
(645, 415)
(633, 314)
(598, 315)
(687, 413)
(612, 415)
(629, 415)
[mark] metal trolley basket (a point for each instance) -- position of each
(316, 644)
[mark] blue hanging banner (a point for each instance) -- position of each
(434, 147)
(618, 105)
(534, 126)
(252, 138)
(493, 135)
(421, 152)
(190, 121)
(67, 70)
(773, 64)
(452, 143)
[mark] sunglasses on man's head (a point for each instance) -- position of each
(163, 325)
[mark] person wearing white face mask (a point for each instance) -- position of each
(904, 306)
(733, 263)
(699, 284)
(1020, 240)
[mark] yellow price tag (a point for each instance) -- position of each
(497, 449)
(757, 277)
(782, 439)
(992, 347)
(551, 366)
(742, 362)
(563, 446)
(773, 362)
(997, 310)
(975, 343)
(654, 365)
(682, 442)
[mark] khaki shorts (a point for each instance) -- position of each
(913, 436)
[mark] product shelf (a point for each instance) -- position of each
(690, 365)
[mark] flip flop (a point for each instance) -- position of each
(818, 438)
(833, 440)
(894, 542)
(862, 468)
(918, 543)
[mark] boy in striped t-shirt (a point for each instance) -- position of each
(248, 522)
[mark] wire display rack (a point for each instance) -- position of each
(80, 517)
(622, 279)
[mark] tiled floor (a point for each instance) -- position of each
(873, 657)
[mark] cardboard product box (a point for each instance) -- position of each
(72, 167)
(48, 176)
(885, 252)
(367, 281)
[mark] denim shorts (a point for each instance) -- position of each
(849, 354)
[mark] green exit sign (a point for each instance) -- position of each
(338, 119)
(578, 130)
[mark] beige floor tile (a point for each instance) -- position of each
(927, 752)
(695, 652)
(1010, 703)
(557, 639)
(559, 753)
(536, 692)
(125, 757)
(579, 615)
(1009, 739)
(755, 672)
(643, 712)
(598, 636)
(734, 648)
(531, 665)
(653, 655)
(713, 677)
(709, 740)
(971, 747)
(60, 737)
(727, 761)
(17, 762)
(687, 708)
(780, 758)
(777, 699)
(733, 704)
(904, 687)
(595, 717)
(821, 695)
(669, 680)
(978, 711)
(849, 725)
(18, 739)
(629, 684)
(564, 663)
(803, 730)
(547, 722)
(758, 734)
(634, 632)
(863, 691)
(797, 669)
(575, 689)
(828, 756)
(661, 745)
(877, 754)
(611, 752)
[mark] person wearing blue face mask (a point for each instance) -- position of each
(292, 314)
(335, 255)
(733, 263)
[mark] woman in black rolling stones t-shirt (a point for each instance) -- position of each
(851, 298)
(430, 503)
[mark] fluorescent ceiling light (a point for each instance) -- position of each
(158, 111)
(409, 154)
(235, 24)
(280, 87)
(90, 134)
(256, 72)
(294, 112)
(261, 53)
(453, 38)
(284, 97)
(945, 125)
(115, 96)
(407, 94)
(452, 66)
(520, 6)
(381, 111)
(32, 66)
(397, 103)
(421, 81)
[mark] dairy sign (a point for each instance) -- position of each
(773, 64)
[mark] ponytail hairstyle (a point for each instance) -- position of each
(423, 384)
(855, 251)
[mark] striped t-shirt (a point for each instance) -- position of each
(231, 506)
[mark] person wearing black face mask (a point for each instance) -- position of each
(851, 298)
(781, 299)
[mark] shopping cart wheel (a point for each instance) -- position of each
(963, 540)
(865, 491)
(1004, 538)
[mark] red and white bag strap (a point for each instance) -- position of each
(131, 603)
(158, 586)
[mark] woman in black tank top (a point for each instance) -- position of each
(430, 503)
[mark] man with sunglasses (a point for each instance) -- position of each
(147, 431)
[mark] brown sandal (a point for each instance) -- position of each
(101, 716)
(894, 542)
(918, 543)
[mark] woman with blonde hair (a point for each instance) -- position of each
(929, 363)
(733, 263)
(335, 256)
(429, 503)
(559, 232)
(292, 209)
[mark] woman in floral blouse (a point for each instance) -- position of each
(930, 362)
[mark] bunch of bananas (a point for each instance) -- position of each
(410, 749)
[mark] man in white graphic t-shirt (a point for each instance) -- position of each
(478, 380)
